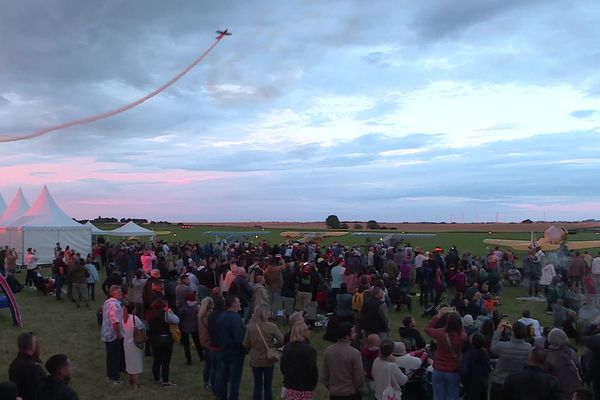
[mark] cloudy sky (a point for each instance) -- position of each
(390, 110)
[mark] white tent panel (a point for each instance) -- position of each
(44, 241)
(2, 205)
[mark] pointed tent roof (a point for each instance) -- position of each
(95, 229)
(2, 205)
(45, 212)
(17, 207)
(131, 229)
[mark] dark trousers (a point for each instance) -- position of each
(113, 359)
(229, 376)
(263, 382)
(209, 367)
(29, 277)
(185, 340)
(59, 281)
(355, 396)
(534, 287)
(496, 391)
(91, 288)
(162, 350)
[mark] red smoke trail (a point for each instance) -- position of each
(119, 110)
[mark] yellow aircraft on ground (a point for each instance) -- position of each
(552, 239)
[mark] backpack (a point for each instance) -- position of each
(358, 300)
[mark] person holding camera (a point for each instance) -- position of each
(512, 354)
(450, 339)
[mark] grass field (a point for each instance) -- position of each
(63, 328)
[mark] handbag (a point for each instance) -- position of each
(174, 329)
(272, 353)
(139, 335)
(390, 392)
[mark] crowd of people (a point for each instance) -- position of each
(231, 300)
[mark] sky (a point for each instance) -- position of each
(396, 111)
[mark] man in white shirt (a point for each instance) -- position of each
(419, 258)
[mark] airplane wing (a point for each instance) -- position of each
(395, 235)
(302, 234)
(513, 244)
(583, 244)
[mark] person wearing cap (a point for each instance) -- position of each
(308, 282)
(562, 362)
(343, 373)
(405, 361)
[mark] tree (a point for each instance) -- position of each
(332, 222)
(343, 226)
(372, 224)
(358, 226)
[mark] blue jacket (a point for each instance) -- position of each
(232, 331)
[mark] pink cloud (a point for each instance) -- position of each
(76, 169)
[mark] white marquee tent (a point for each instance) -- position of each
(2, 205)
(17, 207)
(131, 229)
(41, 227)
(95, 229)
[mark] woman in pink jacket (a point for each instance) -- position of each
(450, 338)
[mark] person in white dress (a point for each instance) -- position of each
(134, 355)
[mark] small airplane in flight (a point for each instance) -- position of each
(552, 239)
(221, 34)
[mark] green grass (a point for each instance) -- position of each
(63, 328)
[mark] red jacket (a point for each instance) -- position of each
(443, 360)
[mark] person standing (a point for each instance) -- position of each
(274, 282)
(475, 369)
(111, 333)
(59, 270)
(92, 279)
(158, 318)
(55, 385)
(10, 262)
(375, 317)
(134, 353)
(31, 260)
(450, 339)
(262, 335)
(78, 277)
(343, 373)
(189, 327)
(206, 308)
(532, 382)
(25, 371)
(231, 354)
(299, 365)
